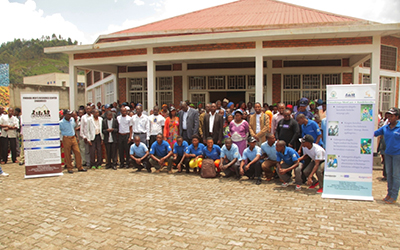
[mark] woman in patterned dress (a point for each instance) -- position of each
(171, 128)
(239, 131)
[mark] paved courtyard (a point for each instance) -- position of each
(107, 209)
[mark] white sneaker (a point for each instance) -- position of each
(4, 174)
(298, 188)
(284, 185)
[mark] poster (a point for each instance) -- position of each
(41, 132)
(349, 144)
(4, 75)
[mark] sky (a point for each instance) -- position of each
(85, 20)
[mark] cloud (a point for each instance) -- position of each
(138, 2)
(27, 22)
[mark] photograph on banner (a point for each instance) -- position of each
(349, 146)
(41, 134)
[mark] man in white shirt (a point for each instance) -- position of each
(277, 117)
(317, 164)
(84, 134)
(124, 138)
(157, 123)
(9, 125)
(140, 125)
(213, 125)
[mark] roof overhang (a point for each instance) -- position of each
(236, 36)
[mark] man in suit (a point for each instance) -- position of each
(189, 122)
(95, 138)
(259, 124)
(110, 131)
(201, 120)
(213, 125)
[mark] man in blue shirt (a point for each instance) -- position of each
(251, 165)
(310, 127)
(268, 150)
(67, 129)
(139, 154)
(302, 109)
(159, 153)
(291, 161)
(179, 152)
(230, 159)
(212, 151)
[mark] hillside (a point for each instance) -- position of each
(26, 57)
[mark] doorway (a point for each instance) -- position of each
(232, 96)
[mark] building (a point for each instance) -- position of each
(54, 79)
(250, 50)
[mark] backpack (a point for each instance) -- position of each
(208, 169)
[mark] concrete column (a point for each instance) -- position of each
(185, 83)
(151, 84)
(269, 82)
(259, 79)
(356, 72)
(73, 80)
(375, 71)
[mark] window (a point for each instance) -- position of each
(109, 88)
(89, 78)
(198, 98)
(89, 96)
(197, 82)
(216, 82)
(236, 82)
(97, 94)
(385, 93)
(164, 90)
(388, 58)
(97, 76)
(138, 91)
(311, 86)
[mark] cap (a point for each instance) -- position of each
(113, 110)
(67, 111)
(289, 106)
(164, 105)
(307, 138)
(127, 108)
(251, 139)
(125, 103)
(225, 100)
(320, 102)
(172, 108)
(303, 102)
(238, 110)
(393, 111)
(107, 106)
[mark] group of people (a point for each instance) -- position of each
(243, 140)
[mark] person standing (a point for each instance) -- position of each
(288, 130)
(239, 131)
(84, 133)
(310, 127)
(230, 159)
(171, 128)
(391, 134)
(277, 117)
(141, 125)
(259, 124)
(161, 153)
(189, 122)
(164, 111)
(81, 141)
(213, 125)
(139, 154)
(20, 136)
(9, 125)
(95, 138)
(67, 129)
(302, 109)
(110, 131)
(250, 164)
(124, 138)
(157, 123)
(201, 120)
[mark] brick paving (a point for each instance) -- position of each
(107, 209)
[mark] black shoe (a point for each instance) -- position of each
(108, 167)
(115, 167)
(82, 170)
(148, 169)
(139, 170)
(21, 163)
(258, 182)
(70, 171)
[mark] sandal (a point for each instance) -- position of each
(390, 201)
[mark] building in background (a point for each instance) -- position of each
(54, 79)
(248, 50)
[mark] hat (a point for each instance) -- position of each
(307, 138)
(225, 100)
(320, 102)
(312, 102)
(125, 103)
(172, 108)
(67, 111)
(107, 106)
(113, 110)
(230, 104)
(251, 139)
(191, 105)
(289, 106)
(164, 105)
(127, 108)
(238, 110)
(303, 102)
(393, 111)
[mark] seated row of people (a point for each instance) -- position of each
(274, 158)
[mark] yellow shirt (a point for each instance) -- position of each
(269, 113)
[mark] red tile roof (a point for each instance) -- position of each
(245, 15)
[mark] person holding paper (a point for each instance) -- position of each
(391, 133)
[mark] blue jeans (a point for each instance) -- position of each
(392, 165)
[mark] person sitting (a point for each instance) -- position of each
(268, 149)
(317, 164)
(140, 155)
(291, 160)
(212, 151)
(230, 159)
(193, 151)
(160, 153)
(179, 152)
(250, 164)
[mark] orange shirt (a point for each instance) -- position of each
(269, 113)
